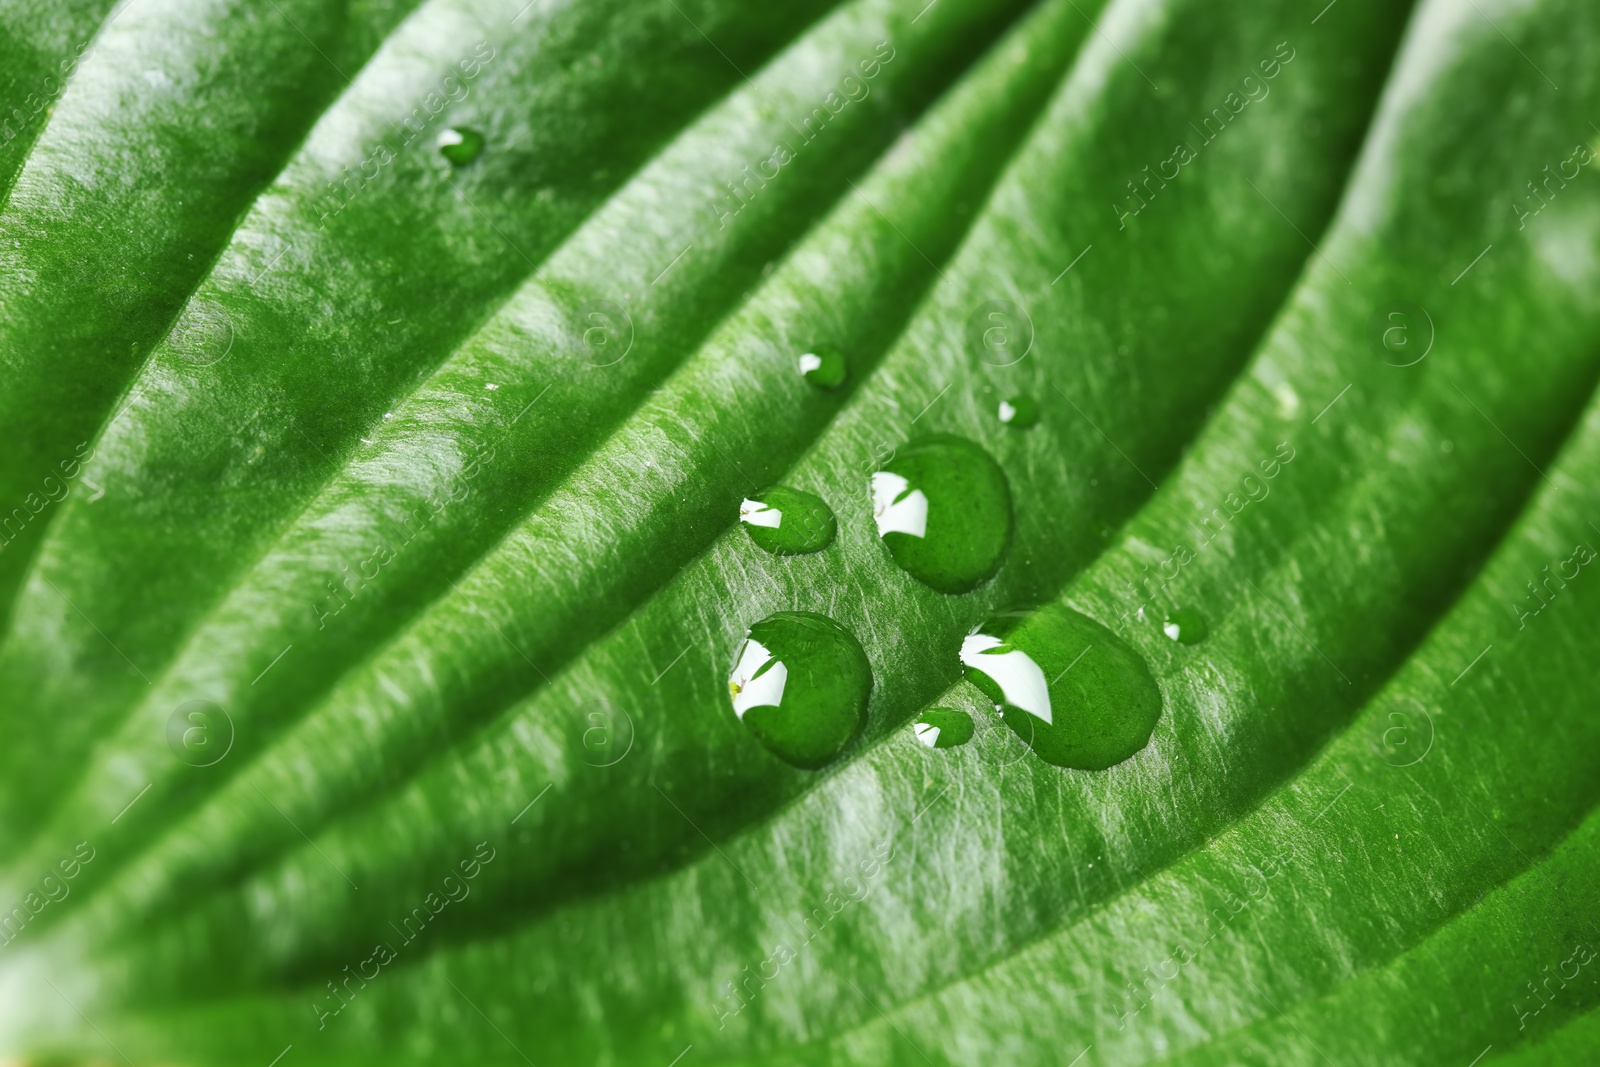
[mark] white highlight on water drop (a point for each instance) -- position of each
(809, 362)
(755, 513)
(1020, 680)
(751, 692)
(927, 733)
(895, 510)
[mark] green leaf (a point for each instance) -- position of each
(298, 339)
(40, 45)
(176, 117)
(369, 692)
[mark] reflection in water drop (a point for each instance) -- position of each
(1077, 693)
(1019, 412)
(823, 367)
(1185, 626)
(787, 522)
(460, 145)
(943, 728)
(800, 684)
(943, 510)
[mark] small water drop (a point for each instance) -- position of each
(800, 684)
(787, 522)
(1019, 412)
(1075, 692)
(1185, 626)
(943, 728)
(943, 510)
(823, 367)
(460, 145)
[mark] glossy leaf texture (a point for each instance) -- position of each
(379, 651)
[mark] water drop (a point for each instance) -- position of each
(1185, 626)
(787, 522)
(943, 510)
(1075, 692)
(800, 683)
(943, 728)
(1019, 412)
(460, 145)
(823, 367)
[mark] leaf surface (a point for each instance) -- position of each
(484, 796)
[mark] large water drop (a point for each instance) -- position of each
(943, 510)
(1078, 694)
(800, 684)
(787, 522)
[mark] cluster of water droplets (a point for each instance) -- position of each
(1076, 693)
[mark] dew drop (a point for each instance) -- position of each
(943, 728)
(1019, 412)
(943, 510)
(823, 367)
(460, 145)
(787, 522)
(1075, 692)
(800, 684)
(1185, 626)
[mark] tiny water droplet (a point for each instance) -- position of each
(1185, 626)
(800, 684)
(460, 145)
(943, 510)
(943, 728)
(823, 367)
(1019, 412)
(787, 522)
(1075, 692)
